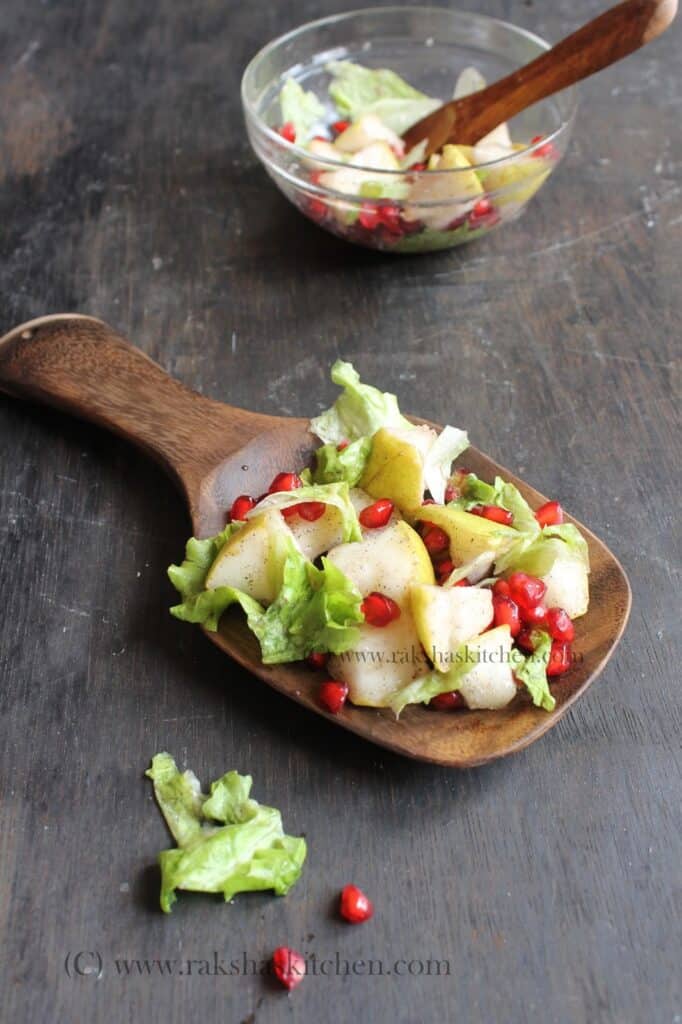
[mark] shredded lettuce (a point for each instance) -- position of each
(532, 671)
(227, 842)
(357, 90)
(358, 412)
(335, 494)
(333, 466)
(300, 108)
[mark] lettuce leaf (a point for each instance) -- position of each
(335, 494)
(333, 466)
(248, 851)
(357, 90)
(450, 443)
(532, 671)
(537, 553)
(358, 412)
(301, 108)
(433, 683)
(503, 494)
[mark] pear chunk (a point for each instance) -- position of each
(451, 195)
(316, 538)
(362, 133)
(389, 560)
(567, 587)
(489, 684)
(469, 535)
(395, 468)
(446, 619)
(252, 559)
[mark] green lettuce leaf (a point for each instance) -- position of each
(502, 494)
(357, 90)
(335, 494)
(249, 851)
(301, 108)
(333, 466)
(358, 412)
(532, 671)
(536, 554)
(423, 689)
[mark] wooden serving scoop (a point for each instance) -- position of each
(603, 41)
(216, 452)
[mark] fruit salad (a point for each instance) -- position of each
(376, 194)
(398, 579)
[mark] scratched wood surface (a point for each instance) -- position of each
(551, 882)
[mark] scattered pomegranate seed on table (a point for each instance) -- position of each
(288, 132)
(559, 625)
(453, 701)
(241, 506)
(379, 610)
(354, 906)
(377, 515)
(506, 613)
(288, 966)
(318, 659)
(332, 695)
(550, 514)
(526, 590)
(494, 513)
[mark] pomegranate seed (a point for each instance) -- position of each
(547, 150)
(241, 506)
(288, 132)
(291, 512)
(435, 540)
(317, 209)
(376, 515)
(447, 701)
(354, 906)
(316, 177)
(390, 218)
(342, 445)
(445, 567)
(285, 482)
(550, 514)
(340, 126)
(494, 513)
(533, 615)
(418, 167)
(288, 966)
(501, 588)
(559, 658)
(369, 216)
(428, 501)
(379, 610)
(464, 582)
(332, 696)
(526, 590)
(559, 625)
(318, 659)
(506, 613)
(311, 511)
(482, 208)
(525, 640)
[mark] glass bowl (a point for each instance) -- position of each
(429, 47)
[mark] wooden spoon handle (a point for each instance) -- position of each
(603, 41)
(81, 365)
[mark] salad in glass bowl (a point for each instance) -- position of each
(330, 134)
(400, 579)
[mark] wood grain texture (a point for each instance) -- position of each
(610, 37)
(550, 881)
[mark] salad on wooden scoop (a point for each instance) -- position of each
(405, 582)
(404, 209)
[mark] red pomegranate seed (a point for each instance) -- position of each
(559, 625)
(526, 590)
(559, 658)
(317, 209)
(369, 216)
(482, 208)
(444, 568)
(418, 167)
(241, 506)
(451, 493)
(377, 515)
(506, 613)
(379, 610)
(288, 132)
(524, 640)
(389, 216)
(550, 514)
(332, 696)
(285, 482)
(533, 614)
(547, 150)
(464, 582)
(435, 540)
(354, 906)
(291, 512)
(316, 177)
(494, 513)
(340, 126)
(288, 966)
(501, 588)
(311, 511)
(342, 445)
(318, 659)
(447, 701)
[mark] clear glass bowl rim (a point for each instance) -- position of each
(303, 154)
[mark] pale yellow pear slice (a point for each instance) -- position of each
(438, 199)
(517, 181)
(316, 538)
(362, 133)
(567, 586)
(395, 468)
(382, 661)
(389, 560)
(489, 684)
(445, 619)
(469, 535)
(252, 559)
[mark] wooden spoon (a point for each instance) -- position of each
(603, 41)
(215, 452)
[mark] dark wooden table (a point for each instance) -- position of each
(550, 882)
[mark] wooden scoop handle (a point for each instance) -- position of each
(81, 365)
(603, 41)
